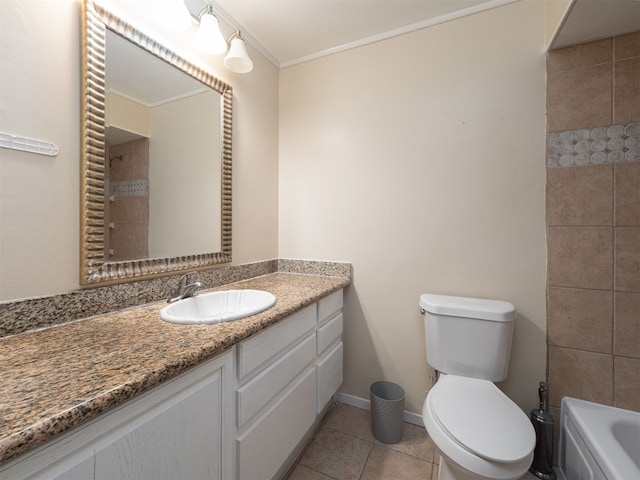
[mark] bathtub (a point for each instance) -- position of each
(598, 442)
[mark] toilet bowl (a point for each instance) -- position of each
(479, 431)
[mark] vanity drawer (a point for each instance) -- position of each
(329, 333)
(329, 376)
(265, 447)
(256, 350)
(259, 391)
(329, 306)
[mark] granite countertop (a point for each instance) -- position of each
(57, 378)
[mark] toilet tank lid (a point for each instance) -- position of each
(494, 310)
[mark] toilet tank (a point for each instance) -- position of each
(470, 337)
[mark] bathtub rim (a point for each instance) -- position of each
(614, 462)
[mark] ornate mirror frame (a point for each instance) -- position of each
(94, 269)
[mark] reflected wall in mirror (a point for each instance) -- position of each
(156, 166)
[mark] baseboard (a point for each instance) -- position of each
(365, 404)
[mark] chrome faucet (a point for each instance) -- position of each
(186, 289)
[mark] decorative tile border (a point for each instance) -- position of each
(130, 188)
(595, 146)
(17, 316)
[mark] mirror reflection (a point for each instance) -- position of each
(156, 145)
(162, 163)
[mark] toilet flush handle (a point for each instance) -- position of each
(422, 311)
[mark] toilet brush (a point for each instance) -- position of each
(542, 466)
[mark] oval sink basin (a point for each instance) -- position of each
(217, 307)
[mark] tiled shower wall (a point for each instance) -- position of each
(127, 204)
(593, 222)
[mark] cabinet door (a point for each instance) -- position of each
(82, 471)
(259, 391)
(265, 447)
(180, 429)
(51, 462)
(329, 376)
(329, 333)
(329, 306)
(178, 437)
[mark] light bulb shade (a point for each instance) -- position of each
(237, 60)
(172, 13)
(209, 38)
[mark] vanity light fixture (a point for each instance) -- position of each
(209, 39)
(237, 60)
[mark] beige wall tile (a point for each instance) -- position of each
(627, 254)
(580, 342)
(627, 45)
(579, 374)
(627, 383)
(131, 209)
(140, 167)
(580, 257)
(627, 324)
(579, 56)
(580, 319)
(581, 196)
(627, 91)
(580, 98)
(627, 194)
(117, 164)
(130, 241)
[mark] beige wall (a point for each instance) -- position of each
(39, 196)
(126, 114)
(593, 218)
(420, 159)
(181, 174)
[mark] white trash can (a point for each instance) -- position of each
(387, 409)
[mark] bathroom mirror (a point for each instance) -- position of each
(156, 156)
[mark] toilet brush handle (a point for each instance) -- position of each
(542, 394)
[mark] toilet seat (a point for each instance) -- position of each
(478, 416)
(465, 430)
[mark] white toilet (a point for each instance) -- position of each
(479, 431)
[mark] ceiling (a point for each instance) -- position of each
(135, 74)
(288, 32)
(292, 31)
(594, 19)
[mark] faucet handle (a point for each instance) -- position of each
(185, 279)
(186, 288)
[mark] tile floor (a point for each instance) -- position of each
(343, 448)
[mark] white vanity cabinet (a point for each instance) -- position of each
(182, 428)
(276, 394)
(287, 375)
(329, 348)
(245, 413)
